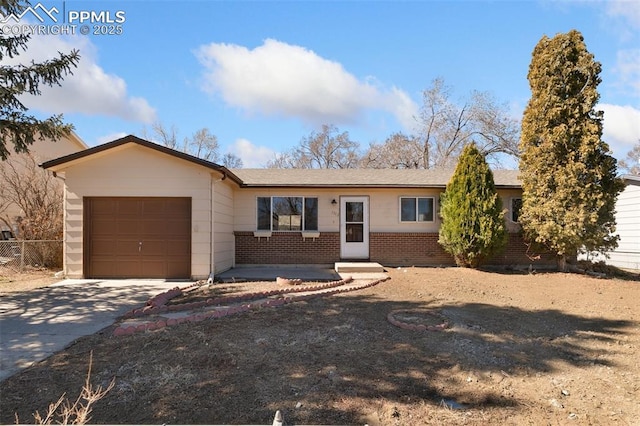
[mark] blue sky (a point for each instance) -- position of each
(262, 75)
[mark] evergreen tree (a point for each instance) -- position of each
(568, 175)
(17, 128)
(473, 226)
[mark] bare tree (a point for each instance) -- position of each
(282, 160)
(168, 137)
(327, 149)
(631, 163)
(399, 151)
(231, 161)
(30, 197)
(202, 144)
(446, 127)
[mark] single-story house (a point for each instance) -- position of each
(134, 208)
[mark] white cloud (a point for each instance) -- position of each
(252, 156)
(277, 78)
(110, 137)
(628, 70)
(90, 90)
(621, 127)
(628, 10)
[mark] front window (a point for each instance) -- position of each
(516, 205)
(416, 209)
(287, 214)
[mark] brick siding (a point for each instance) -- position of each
(287, 248)
(386, 248)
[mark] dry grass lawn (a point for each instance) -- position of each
(545, 348)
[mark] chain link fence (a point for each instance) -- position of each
(19, 256)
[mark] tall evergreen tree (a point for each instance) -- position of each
(473, 226)
(18, 129)
(568, 174)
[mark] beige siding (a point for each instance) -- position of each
(134, 171)
(384, 207)
(224, 241)
(48, 150)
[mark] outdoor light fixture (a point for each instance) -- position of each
(334, 202)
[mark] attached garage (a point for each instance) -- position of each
(136, 209)
(137, 237)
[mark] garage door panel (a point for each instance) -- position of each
(127, 268)
(178, 248)
(153, 248)
(154, 269)
(154, 227)
(128, 206)
(115, 227)
(109, 268)
(176, 270)
(104, 247)
(103, 226)
(126, 228)
(104, 206)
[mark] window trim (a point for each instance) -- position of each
(302, 218)
(416, 198)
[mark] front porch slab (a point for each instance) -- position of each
(358, 267)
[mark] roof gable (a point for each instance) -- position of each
(67, 160)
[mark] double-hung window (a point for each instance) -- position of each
(287, 213)
(416, 209)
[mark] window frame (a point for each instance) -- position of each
(303, 213)
(416, 199)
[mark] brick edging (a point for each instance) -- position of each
(158, 303)
(319, 291)
(417, 327)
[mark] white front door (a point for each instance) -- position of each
(354, 227)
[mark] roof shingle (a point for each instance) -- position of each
(437, 178)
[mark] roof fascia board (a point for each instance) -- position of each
(65, 161)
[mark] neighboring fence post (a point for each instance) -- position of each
(21, 255)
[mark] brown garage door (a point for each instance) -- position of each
(128, 237)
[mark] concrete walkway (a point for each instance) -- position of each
(307, 273)
(269, 273)
(41, 322)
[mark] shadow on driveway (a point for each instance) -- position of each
(41, 322)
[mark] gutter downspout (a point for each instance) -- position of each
(212, 260)
(64, 223)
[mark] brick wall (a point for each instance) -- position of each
(389, 249)
(396, 249)
(287, 248)
(419, 249)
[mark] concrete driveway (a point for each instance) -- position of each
(41, 322)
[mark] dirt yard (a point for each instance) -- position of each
(521, 349)
(12, 282)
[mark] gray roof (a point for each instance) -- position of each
(299, 178)
(371, 178)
